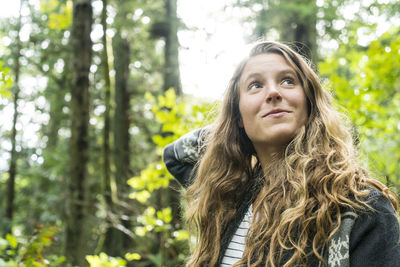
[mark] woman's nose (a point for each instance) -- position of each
(273, 94)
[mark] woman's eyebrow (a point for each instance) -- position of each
(287, 71)
(258, 75)
(251, 76)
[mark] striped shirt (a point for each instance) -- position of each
(235, 249)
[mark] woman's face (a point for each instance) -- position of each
(273, 106)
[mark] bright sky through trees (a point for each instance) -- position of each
(208, 54)
(214, 42)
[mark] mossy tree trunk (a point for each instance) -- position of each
(117, 241)
(13, 157)
(107, 104)
(171, 80)
(172, 74)
(81, 54)
(295, 21)
(106, 151)
(300, 28)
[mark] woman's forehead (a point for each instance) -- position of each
(262, 63)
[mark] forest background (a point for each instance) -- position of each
(91, 91)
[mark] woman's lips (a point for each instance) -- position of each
(276, 113)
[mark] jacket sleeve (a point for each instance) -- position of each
(181, 156)
(374, 240)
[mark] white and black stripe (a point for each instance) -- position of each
(235, 249)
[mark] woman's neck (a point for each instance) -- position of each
(269, 158)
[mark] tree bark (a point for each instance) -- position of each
(106, 183)
(171, 80)
(172, 74)
(56, 91)
(302, 30)
(107, 100)
(112, 243)
(294, 20)
(116, 240)
(13, 158)
(81, 44)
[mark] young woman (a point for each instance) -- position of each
(275, 181)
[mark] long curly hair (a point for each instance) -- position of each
(297, 210)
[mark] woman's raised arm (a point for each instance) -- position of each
(181, 156)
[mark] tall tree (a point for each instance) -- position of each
(81, 55)
(131, 43)
(171, 80)
(295, 21)
(167, 28)
(300, 26)
(106, 188)
(116, 239)
(172, 74)
(302, 23)
(13, 159)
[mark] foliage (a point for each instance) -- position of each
(176, 117)
(5, 81)
(60, 16)
(30, 251)
(103, 260)
(366, 85)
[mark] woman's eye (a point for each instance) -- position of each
(254, 85)
(288, 81)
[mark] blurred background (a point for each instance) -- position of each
(91, 92)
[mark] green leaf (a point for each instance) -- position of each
(12, 240)
(103, 260)
(141, 196)
(165, 215)
(132, 256)
(5, 82)
(181, 235)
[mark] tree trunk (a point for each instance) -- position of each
(295, 21)
(107, 100)
(171, 80)
(172, 75)
(76, 245)
(56, 94)
(106, 183)
(56, 91)
(13, 158)
(301, 29)
(116, 240)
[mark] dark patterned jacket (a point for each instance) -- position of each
(364, 239)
